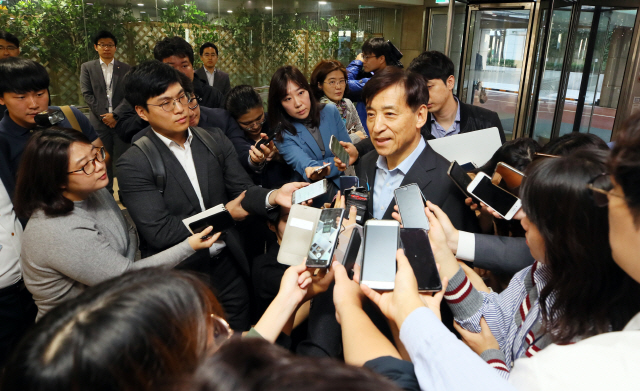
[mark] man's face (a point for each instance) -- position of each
(7, 49)
(170, 123)
(180, 63)
(439, 93)
(371, 63)
(106, 48)
(393, 126)
(209, 57)
(24, 107)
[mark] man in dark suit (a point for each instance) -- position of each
(396, 112)
(196, 178)
(447, 115)
(214, 77)
(102, 85)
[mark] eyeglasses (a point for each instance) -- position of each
(221, 330)
(334, 83)
(90, 167)
(209, 55)
(104, 46)
(601, 187)
(368, 57)
(182, 99)
(193, 102)
(9, 48)
(253, 124)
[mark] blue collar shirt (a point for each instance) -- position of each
(438, 131)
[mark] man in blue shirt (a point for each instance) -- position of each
(24, 91)
(395, 114)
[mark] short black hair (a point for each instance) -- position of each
(570, 142)
(433, 65)
(148, 79)
(105, 34)
(415, 87)
(241, 99)
(174, 46)
(7, 36)
(383, 47)
(20, 75)
(208, 45)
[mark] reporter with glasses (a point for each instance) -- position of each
(77, 236)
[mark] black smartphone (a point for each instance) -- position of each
(468, 167)
(220, 221)
(270, 136)
(411, 204)
(460, 177)
(353, 249)
(417, 249)
(338, 150)
(325, 238)
(347, 182)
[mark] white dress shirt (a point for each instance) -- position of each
(185, 158)
(210, 75)
(10, 240)
(107, 72)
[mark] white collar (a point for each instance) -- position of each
(102, 62)
(168, 142)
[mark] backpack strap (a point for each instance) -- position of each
(210, 142)
(70, 115)
(157, 165)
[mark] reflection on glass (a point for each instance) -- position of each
(494, 62)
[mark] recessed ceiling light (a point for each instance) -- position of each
(229, 11)
(140, 5)
(322, 2)
(267, 8)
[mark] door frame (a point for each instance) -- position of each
(525, 82)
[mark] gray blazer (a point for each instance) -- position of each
(220, 81)
(502, 254)
(94, 89)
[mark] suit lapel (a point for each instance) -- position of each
(421, 173)
(370, 179)
(306, 136)
(175, 169)
(100, 76)
(116, 74)
(200, 154)
(465, 118)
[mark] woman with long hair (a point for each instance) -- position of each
(304, 127)
(77, 235)
(329, 85)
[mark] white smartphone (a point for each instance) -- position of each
(379, 256)
(503, 202)
(308, 192)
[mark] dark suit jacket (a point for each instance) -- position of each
(207, 95)
(501, 254)
(429, 172)
(94, 89)
(220, 80)
(158, 217)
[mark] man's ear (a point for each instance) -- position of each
(421, 115)
(95, 47)
(143, 113)
(451, 82)
(2, 100)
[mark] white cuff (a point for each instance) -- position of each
(266, 201)
(466, 246)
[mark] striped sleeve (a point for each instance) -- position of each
(463, 299)
(497, 360)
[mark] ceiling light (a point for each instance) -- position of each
(229, 11)
(140, 5)
(322, 2)
(267, 8)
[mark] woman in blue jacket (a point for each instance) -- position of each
(304, 127)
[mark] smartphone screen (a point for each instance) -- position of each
(309, 192)
(411, 206)
(338, 150)
(497, 198)
(351, 255)
(418, 251)
(469, 166)
(459, 177)
(325, 238)
(380, 246)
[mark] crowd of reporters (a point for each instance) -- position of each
(92, 297)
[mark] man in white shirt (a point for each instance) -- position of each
(215, 77)
(17, 309)
(102, 84)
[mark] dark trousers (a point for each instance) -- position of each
(115, 147)
(17, 315)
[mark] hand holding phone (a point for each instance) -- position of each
(338, 150)
(417, 249)
(325, 238)
(379, 257)
(309, 192)
(500, 200)
(410, 203)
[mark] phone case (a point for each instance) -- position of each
(298, 234)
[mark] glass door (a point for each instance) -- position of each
(495, 59)
(437, 33)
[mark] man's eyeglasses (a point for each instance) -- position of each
(9, 48)
(601, 187)
(209, 55)
(90, 167)
(368, 57)
(104, 46)
(334, 83)
(253, 124)
(193, 102)
(168, 106)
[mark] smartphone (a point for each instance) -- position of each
(270, 136)
(352, 252)
(220, 222)
(512, 177)
(417, 249)
(347, 182)
(338, 150)
(308, 192)
(460, 177)
(379, 255)
(319, 170)
(469, 166)
(410, 203)
(325, 238)
(503, 202)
